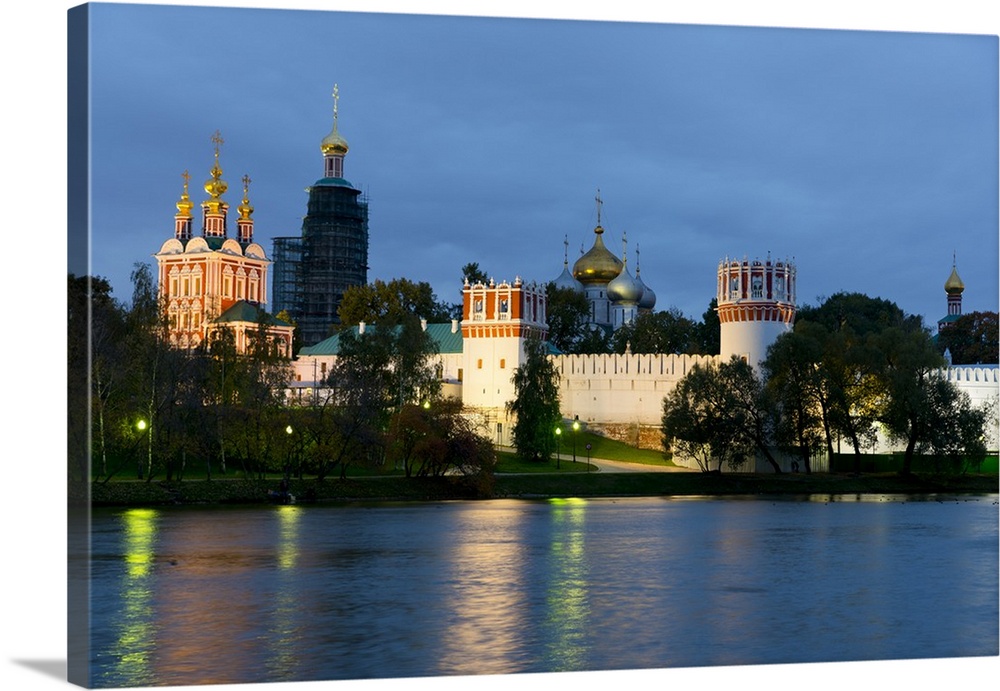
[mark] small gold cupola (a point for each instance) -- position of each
(183, 218)
(244, 223)
(334, 146)
(214, 209)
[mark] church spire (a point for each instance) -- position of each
(183, 218)
(214, 210)
(244, 223)
(334, 146)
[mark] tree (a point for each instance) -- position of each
(390, 302)
(473, 274)
(568, 314)
(95, 327)
(536, 403)
(721, 413)
(972, 339)
(377, 374)
(668, 331)
(697, 423)
(707, 331)
(852, 365)
(923, 409)
(795, 383)
(433, 439)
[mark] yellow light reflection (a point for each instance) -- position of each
(568, 614)
(136, 639)
(284, 656)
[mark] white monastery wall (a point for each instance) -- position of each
(619, 388)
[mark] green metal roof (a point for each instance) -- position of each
(333, 182)
(244, 311)
(447, 342)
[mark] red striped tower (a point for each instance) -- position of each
(756, 304)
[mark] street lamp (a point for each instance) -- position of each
(576, 428)
(288, 458)
(558, 445)
(141, 425)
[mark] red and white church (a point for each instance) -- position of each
(211, 281)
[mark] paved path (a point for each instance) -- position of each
(609, 466)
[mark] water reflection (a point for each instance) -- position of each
(184, 596)
(485, 599)
(284, 615)
(567, 608)
(135, 642)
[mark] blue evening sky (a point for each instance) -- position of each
(868, 157)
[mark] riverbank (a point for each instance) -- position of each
(241, 491)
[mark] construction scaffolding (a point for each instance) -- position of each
(312, 272)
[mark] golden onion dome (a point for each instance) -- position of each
(954, 283)
(245, 208)
(184, 204)
(598, 265)
(333, 143)
(216, 186)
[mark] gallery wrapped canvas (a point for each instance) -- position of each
(423, 348)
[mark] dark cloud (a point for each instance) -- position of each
(869, 157)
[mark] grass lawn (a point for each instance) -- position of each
(600, 447)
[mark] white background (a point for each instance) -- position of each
(33, 562)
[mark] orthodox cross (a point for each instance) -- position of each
(217, 140)
(336, 98)
(246, 184)
(599, 202)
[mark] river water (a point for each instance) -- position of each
(186, 595)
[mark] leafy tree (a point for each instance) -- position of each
(972, 339)
(536, 403)
(668, 331)
(95, 325)
(923, 409)
(852, 366)
(707, 331)
(568, 315)
(362, 400)
(377, 373)
(595, 341)
(390, 302)
(147, 353)
(697, 420)
(795, 383)
(721, 413)
(433, 439)
(473, 274)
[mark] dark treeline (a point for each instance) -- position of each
(852, 368)
(140, 408)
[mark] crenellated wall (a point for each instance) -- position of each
(619, 388)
